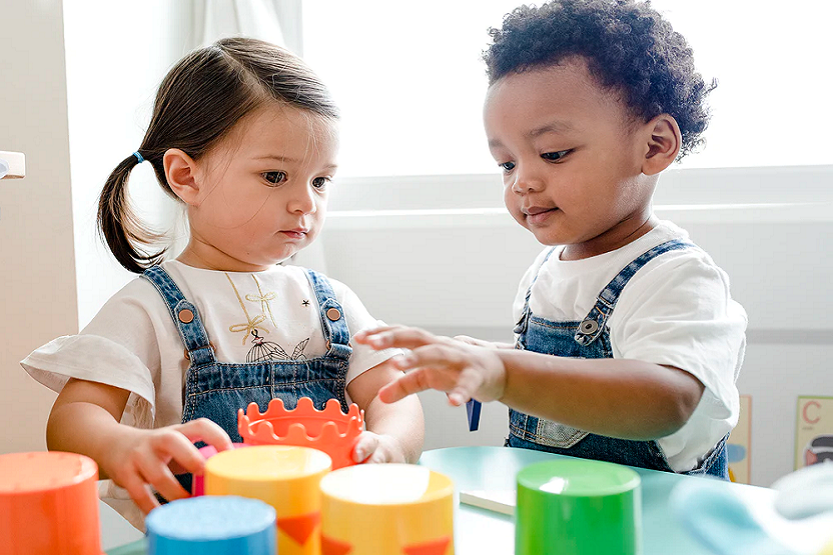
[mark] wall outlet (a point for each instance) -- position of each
(13, 164)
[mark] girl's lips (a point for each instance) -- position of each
(295, 233)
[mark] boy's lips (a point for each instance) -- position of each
(537, 215)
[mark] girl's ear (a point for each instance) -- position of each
(663, 144)
(182, 174)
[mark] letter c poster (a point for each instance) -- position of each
(814, 431)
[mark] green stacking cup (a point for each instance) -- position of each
(578, 507)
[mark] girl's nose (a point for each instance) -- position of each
(303, 199)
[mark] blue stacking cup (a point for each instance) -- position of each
(212, 525)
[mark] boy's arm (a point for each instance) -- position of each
(482, 343)
(628, 399)
(397, 429)
(622, 398)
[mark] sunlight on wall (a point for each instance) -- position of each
(411, 83)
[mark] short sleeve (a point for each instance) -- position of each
(359, 319)
(682, 315)
(117, 348)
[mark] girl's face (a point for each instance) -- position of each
(262, 190)
(571, 160)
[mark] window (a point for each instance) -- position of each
(410, 81)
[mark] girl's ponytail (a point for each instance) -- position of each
(120, 228)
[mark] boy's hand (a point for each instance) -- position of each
(376, 448)
(462, 370)
(482, 343)
(143, 459)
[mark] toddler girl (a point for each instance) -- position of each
(244, 135)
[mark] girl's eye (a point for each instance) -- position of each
(507, 166)
(320, 182)
(274, 178)
(555, 156)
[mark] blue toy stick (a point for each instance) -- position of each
(473, 413)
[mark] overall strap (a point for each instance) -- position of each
(185, 316)
(523, 323)
(594, 323)
(333, 321)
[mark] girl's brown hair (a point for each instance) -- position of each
(199, 101)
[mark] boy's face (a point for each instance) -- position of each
(571, 157)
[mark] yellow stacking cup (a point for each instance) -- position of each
(387, 508)
(287, 478)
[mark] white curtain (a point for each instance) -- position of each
(276, 21)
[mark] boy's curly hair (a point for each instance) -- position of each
(629, 47)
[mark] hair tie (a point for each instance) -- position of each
(138, 157)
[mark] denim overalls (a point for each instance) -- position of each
(216, 390)
(590, 338)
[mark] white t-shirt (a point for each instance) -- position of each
(675, 311)
(133, 344)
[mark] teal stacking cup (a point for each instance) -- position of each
(578, 507)
(212, 525)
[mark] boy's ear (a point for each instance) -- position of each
(663, 144)
(182, 174)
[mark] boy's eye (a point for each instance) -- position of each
(507, 166)
(555, 156)
(320, 182)
(274, 178)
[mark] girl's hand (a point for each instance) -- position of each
(462, 370)
(143, 459)
(375, 448)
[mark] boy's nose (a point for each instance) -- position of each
(527, 182)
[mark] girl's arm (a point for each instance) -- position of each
(85, 419)
(394, 431)
(628, 399)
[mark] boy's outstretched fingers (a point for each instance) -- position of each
(396, 336)
(460, 387)
(396, 390)
(460, 369)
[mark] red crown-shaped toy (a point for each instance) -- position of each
(329, 430)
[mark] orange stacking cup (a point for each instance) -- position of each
(48, 504)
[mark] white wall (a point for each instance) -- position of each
(112, 76)
(37, 285)
(453, 270)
